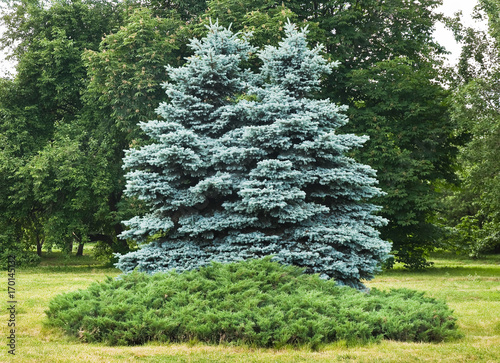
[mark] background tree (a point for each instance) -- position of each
(20, 227)
(70, 180)
(472, 213)
(388, 59)
(187, 10)
(266, 19)
(124, 88)
(39, 109)
(405, 112)
(247, 165)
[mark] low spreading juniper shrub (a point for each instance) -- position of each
(257, 302)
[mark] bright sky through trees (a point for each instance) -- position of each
(6, 67)
(444, 36)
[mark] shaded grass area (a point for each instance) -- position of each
(57, 259)
(470, 287)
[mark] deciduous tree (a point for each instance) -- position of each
(473, 208)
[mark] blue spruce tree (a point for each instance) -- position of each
(246, 165)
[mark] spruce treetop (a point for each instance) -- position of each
(294, 66)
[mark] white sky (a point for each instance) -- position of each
(444, 36)
(5, 67)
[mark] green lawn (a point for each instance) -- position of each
(471, 288)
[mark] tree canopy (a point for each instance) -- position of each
(472, 214)
(90, 70)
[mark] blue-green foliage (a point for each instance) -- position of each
(245, 165)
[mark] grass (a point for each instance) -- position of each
(470, 287)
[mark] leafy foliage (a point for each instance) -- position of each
(368, 37)
(123, 90)
(247, 165)
(126, 72)
(473, 208)
(389, 80)
(64, 180)
(257, 302)
(266, 19)
(394, 100)
(47, 187)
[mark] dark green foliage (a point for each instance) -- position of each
(405, 114)
(186, 9)
(472, 212)
(60, 153)
(388, 57)
(10, 247)
(47, 196)
(256, 302)
(123, 89)
(266, 19)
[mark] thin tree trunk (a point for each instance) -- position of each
(69, 248)
(79, 252)
(39, 244)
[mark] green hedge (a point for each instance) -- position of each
(257, 303)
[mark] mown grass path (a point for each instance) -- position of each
(470, 287)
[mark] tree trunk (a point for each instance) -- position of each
(79, 252)
(39, 244)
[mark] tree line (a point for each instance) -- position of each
(90, 70)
